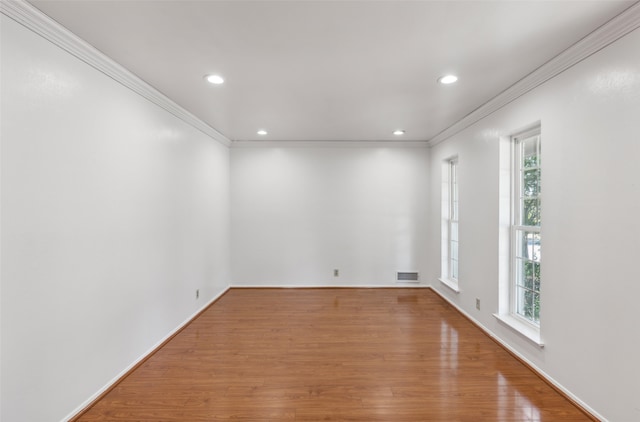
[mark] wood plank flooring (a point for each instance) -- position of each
(332, 355)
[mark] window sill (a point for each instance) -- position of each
(527, 331)
(453, 285)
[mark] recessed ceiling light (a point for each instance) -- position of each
(448, 79)
(261, 132)
(398, 132)
(214, 79)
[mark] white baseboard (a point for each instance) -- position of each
(141, 358)
(329, 286)
(540, 372)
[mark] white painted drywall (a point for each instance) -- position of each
(300, 212)
(590, 226)
(113, 213)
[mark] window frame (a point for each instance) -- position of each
(453, 218)
(450, 217)
(517, 225)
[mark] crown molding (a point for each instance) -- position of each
(33, 19)
(604, 35)
(329, 144)
(36, 21)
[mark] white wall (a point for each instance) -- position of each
(590, 226)
(113, 213)
(300, 212)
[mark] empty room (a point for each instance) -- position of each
(307, 210)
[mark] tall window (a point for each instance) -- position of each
(525, 227)
(449, 228)
(453, 220)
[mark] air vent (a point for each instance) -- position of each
(407, 277)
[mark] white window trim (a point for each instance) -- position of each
(452, 285)
(506, 302)
(453, 189)
(522, 326)
(516, 218)
(446, 212)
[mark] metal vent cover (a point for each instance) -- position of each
(407, 276)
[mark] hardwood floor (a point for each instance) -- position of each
(332, 354)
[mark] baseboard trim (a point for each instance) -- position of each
(330, 286)
(100, 394)
(579, 404)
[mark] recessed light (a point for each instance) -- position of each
(214, 79)
(398, 132)
(448, 79)
(262, 132)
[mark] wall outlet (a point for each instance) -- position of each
(336, 273)
(477, 304)
(197, 293)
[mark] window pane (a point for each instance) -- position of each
(531, 152)
(528, 275)
(533, 246)
(536, 307)
(530, 161)
(528, 304)
(528, 245)
(531, 182)
(531, 212)
(454, 250)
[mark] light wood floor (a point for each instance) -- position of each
(332, 354)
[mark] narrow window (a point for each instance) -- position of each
(525, 227)
(449, 227)
(453, 220)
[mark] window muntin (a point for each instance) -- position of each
(525, 229)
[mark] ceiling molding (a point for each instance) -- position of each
(33, 19)
(36, 21)
(329, 144)
(606, 34)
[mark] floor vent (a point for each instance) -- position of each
(407, 277)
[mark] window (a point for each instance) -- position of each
(519, 269)
(525, 227)
(449, 227)
(453, 220)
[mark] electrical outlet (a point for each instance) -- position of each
(197, 293)
(477, 304)
(336, 273)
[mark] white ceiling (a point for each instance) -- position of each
(331, 70)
